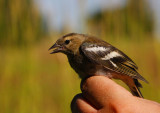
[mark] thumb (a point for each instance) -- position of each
(102, 91)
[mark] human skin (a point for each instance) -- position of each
(102, 95)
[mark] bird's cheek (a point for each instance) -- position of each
(69, 51)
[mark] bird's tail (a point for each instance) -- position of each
(135, 89)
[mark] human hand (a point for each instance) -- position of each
(102, 95)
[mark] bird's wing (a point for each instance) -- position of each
(111, 58)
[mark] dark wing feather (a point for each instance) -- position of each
(120, 64)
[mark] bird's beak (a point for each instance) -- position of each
(57, 48)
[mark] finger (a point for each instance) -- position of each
(80, 105)
(102, 91)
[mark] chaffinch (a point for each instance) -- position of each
(90, 56)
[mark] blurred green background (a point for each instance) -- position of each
(33, 81)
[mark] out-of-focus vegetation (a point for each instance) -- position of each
(20, 23)
(133, 22)
(33, 81)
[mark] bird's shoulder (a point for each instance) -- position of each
(95, 41)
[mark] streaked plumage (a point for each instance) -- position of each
(90, 56)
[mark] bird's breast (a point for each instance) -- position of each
(85, 68)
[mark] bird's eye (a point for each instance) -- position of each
(67, 41)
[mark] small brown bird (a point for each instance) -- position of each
(90, 56)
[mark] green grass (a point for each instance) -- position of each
(33, 81)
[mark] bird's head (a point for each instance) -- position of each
(68, 44)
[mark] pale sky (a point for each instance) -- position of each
(58, 12)
(73, 12)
